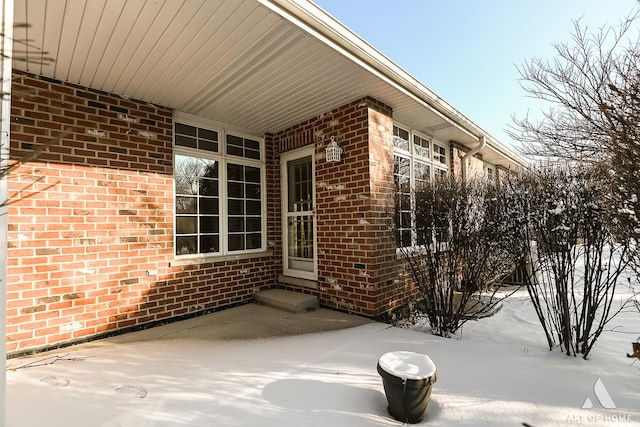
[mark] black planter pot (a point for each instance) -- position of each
(407, 379)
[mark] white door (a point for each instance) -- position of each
(298, 211)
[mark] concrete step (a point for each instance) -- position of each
(293, 302)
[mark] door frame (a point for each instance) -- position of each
(284, 159)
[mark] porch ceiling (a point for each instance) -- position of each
(263, 65)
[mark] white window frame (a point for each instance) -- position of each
(224, 159)
(284, 191)
(435, 165)
(489, 172)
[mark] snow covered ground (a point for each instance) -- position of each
(498, 373)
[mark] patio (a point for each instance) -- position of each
(249, 365)
(254, 365)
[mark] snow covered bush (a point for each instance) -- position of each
(590, 92)
(461, 245)
(578, 252)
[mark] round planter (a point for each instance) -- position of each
(407, 378)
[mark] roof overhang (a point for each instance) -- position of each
(262, 65)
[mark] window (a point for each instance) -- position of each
(404, 213)
(194, 137)
(421, 146)
(489, 173)
(416, 161)
(244, 207)
(400, 138)
(219, 206)
(439, 154)
(197, 205)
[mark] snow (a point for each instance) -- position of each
(497, 372)
(407, 365)
(626, 211)
(557, 210)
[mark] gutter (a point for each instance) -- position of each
(471, 153)
(315, 21)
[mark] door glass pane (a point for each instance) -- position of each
(300, 229)
(300, 175)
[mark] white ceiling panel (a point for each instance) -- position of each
(114, 43)
(28, 40)
(101, 40)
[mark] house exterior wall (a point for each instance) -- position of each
(395, 289)
(357, 261)
(91, 249)
(91, 221)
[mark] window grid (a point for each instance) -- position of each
(417, 160)
(421, 146)
(196, 204)
(196, 137)
(243, 147)
(489, 173)
(439, 154)
(218, 200)
(244, 213)
(404, 211)
(400, 138)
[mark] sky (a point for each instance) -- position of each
(466, 51)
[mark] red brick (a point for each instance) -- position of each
(86, 247)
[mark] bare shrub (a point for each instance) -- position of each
(463, 231)
(577, 253)
(591, 94)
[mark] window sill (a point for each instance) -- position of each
(218, 258)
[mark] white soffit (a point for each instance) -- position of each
(235, 61)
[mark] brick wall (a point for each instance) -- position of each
(394, 287)
(343, 204)
(91, 217)
(91, 221)
(357, 262)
